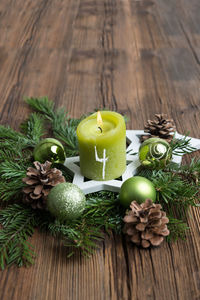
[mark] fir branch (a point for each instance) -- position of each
(177, 229)
(144, 172)
(174, 191)
(33, 127)
(11, 174)
(102, 212)
(8, 154)
(18, 224)
(11, 190)
(42, 105)
(181, 146)
(9, 133)
(11, 169)
(80, 236)
(190, 173)
(104, 208)
(11, 139)
(76, 234)
(64, 127)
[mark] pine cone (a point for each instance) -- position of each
(40, 180)
(146, 224)
(161, 128)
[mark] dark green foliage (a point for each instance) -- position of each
(191, 172)
(104, 209)
(181, 146)
(13, 168)
(175, 192)
(11, 190)
(172, 188)
(102, 212)
(18, 224)
(13, 140)
(177, 229)
(174, 185)
(34, 127)
(63, 127)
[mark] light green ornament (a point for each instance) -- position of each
(66, 201)
(136, 188)
(155, 153)
(49, 149)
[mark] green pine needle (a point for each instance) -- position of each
(63, 127)
(42, 105)
(18, 224)
(11, 139)
(33, 127)
(11, 173)
(177, 229)
(102, 212)
(181, 146)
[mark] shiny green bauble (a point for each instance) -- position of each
(66, 201)
(51, 150)
(136, 188)
(155, 153)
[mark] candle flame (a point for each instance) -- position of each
(99, 119)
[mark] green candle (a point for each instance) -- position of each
(102, 146)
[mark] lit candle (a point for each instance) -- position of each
(102, 145)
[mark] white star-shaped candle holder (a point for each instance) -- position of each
(132, 161)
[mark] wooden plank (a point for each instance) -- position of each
(138, 57)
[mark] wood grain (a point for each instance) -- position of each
(138, 57)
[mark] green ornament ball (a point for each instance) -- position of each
(155, 153)
(136, 188)
(49, 149)
(66, 201)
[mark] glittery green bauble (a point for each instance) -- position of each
(136, 188)
(51, 150)
(155, 153)
(66, 201)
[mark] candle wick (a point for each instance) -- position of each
(100, 129)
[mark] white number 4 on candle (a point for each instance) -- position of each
(102, 160)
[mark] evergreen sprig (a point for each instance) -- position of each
(181, 146)
(13, 140)
(33, 127)
(190, 173)
(175, 194)
(63, 127)
(173, 190)
(12, 169)
(102, 212)
(177, 229)
(18, 224)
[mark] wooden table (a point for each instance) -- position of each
(138, 57)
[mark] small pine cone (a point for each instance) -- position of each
(160, 128)
(145, 224)
(39, 182)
